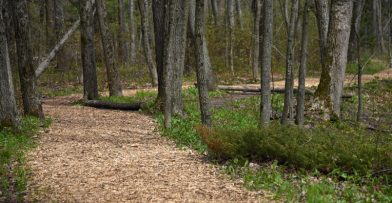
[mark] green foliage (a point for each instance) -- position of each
(13, 145)
(372, 67)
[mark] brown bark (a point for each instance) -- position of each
(90, 84)
(9, 115)
(113, 76)
(31, 103)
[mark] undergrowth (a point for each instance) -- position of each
(13, 146)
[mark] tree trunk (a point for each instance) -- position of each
(132, 30)
(88, 50)
(300, 118)
(256, 38)
(238, 10)
(322, 14)
(143, 5)
(355, 26)
(123, 30)
(378, 26)
(114, 80)
(50, 24)
(8, 110)
(215, 11)
(59, 31)
(230, 37)
(329, 91)
(266, 59)
(31, 103)
(288, 97)
(159, 28)
(390, 34)
(202, 66)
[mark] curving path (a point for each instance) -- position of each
(91, 155)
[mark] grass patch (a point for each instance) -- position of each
(13, 145)
(374, 66)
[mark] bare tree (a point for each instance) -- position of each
(378, 25)
(329, 92)
(215, 11)
(31, 102)
(266, 59)
(123, 50)
(88, 50)
(230, 37)
(132, 30)
(201, 69)
(355, 25)
(300, 118)
(322, 14)
(9, 115)
(256, 5)
(143, 8)
(238, 10)
(291, 27)
(113, 76)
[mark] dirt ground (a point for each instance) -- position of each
(91, 155)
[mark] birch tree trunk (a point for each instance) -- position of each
(266, 59)
(132, 30)
(202, 66)
(288, 96)
(31, 103)
(300, 118)
(88, 50)
(256, 38)
(143, 5)
(329, 91)
(113, 76)
(9, 115)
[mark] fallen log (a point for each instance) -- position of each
(114, 106)
(245, 89)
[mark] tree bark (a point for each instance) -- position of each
(132, 30)
(300, 118)
(202, 66)
(59, 31)
(88, 50)
(256, 38)
(322, 15)
(266, 59)
(238, 10)
(215, 11)
(31, 103)
(230, 37)
(378, 25)
(288, 96)
(113, 76)
(355, 26)
(159, 28)
(123, 30)
(329, 91)
(143, 5)
(9, 115)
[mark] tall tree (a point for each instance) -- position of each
(322, 15)
(300, 118)
(202, 66)
(355, 25)
(90, 84)
(215, 11)
(291, 28)
(256, 7)
(31, 102)
(266, 59)
(114, 80)
(8, 110)
(144, 16)
(378, 25)
(122, 33)
(238, 10)
(329, 92)
(132, 30)
(59, 31)
(230, 37)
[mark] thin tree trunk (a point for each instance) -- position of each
(123, 30)
(322, 14)
(31, 103)
(355, 25)
(288, 97)
(114, 80)
(215, 11)
(88, 50)
(378, 26)
(50, 24)
(256, 38)
(238, 10)
(300, 118)
(201, 69)
(132, 30)
(143, 5)
(9, 115)
(230, 38)
(329, 91)
(159, 29)
(390, 34)
(266, 59)
(59, 31)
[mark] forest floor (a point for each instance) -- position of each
(91, 155)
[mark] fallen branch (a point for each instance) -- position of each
(275, 90)
(45, 64)
(114, 106)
